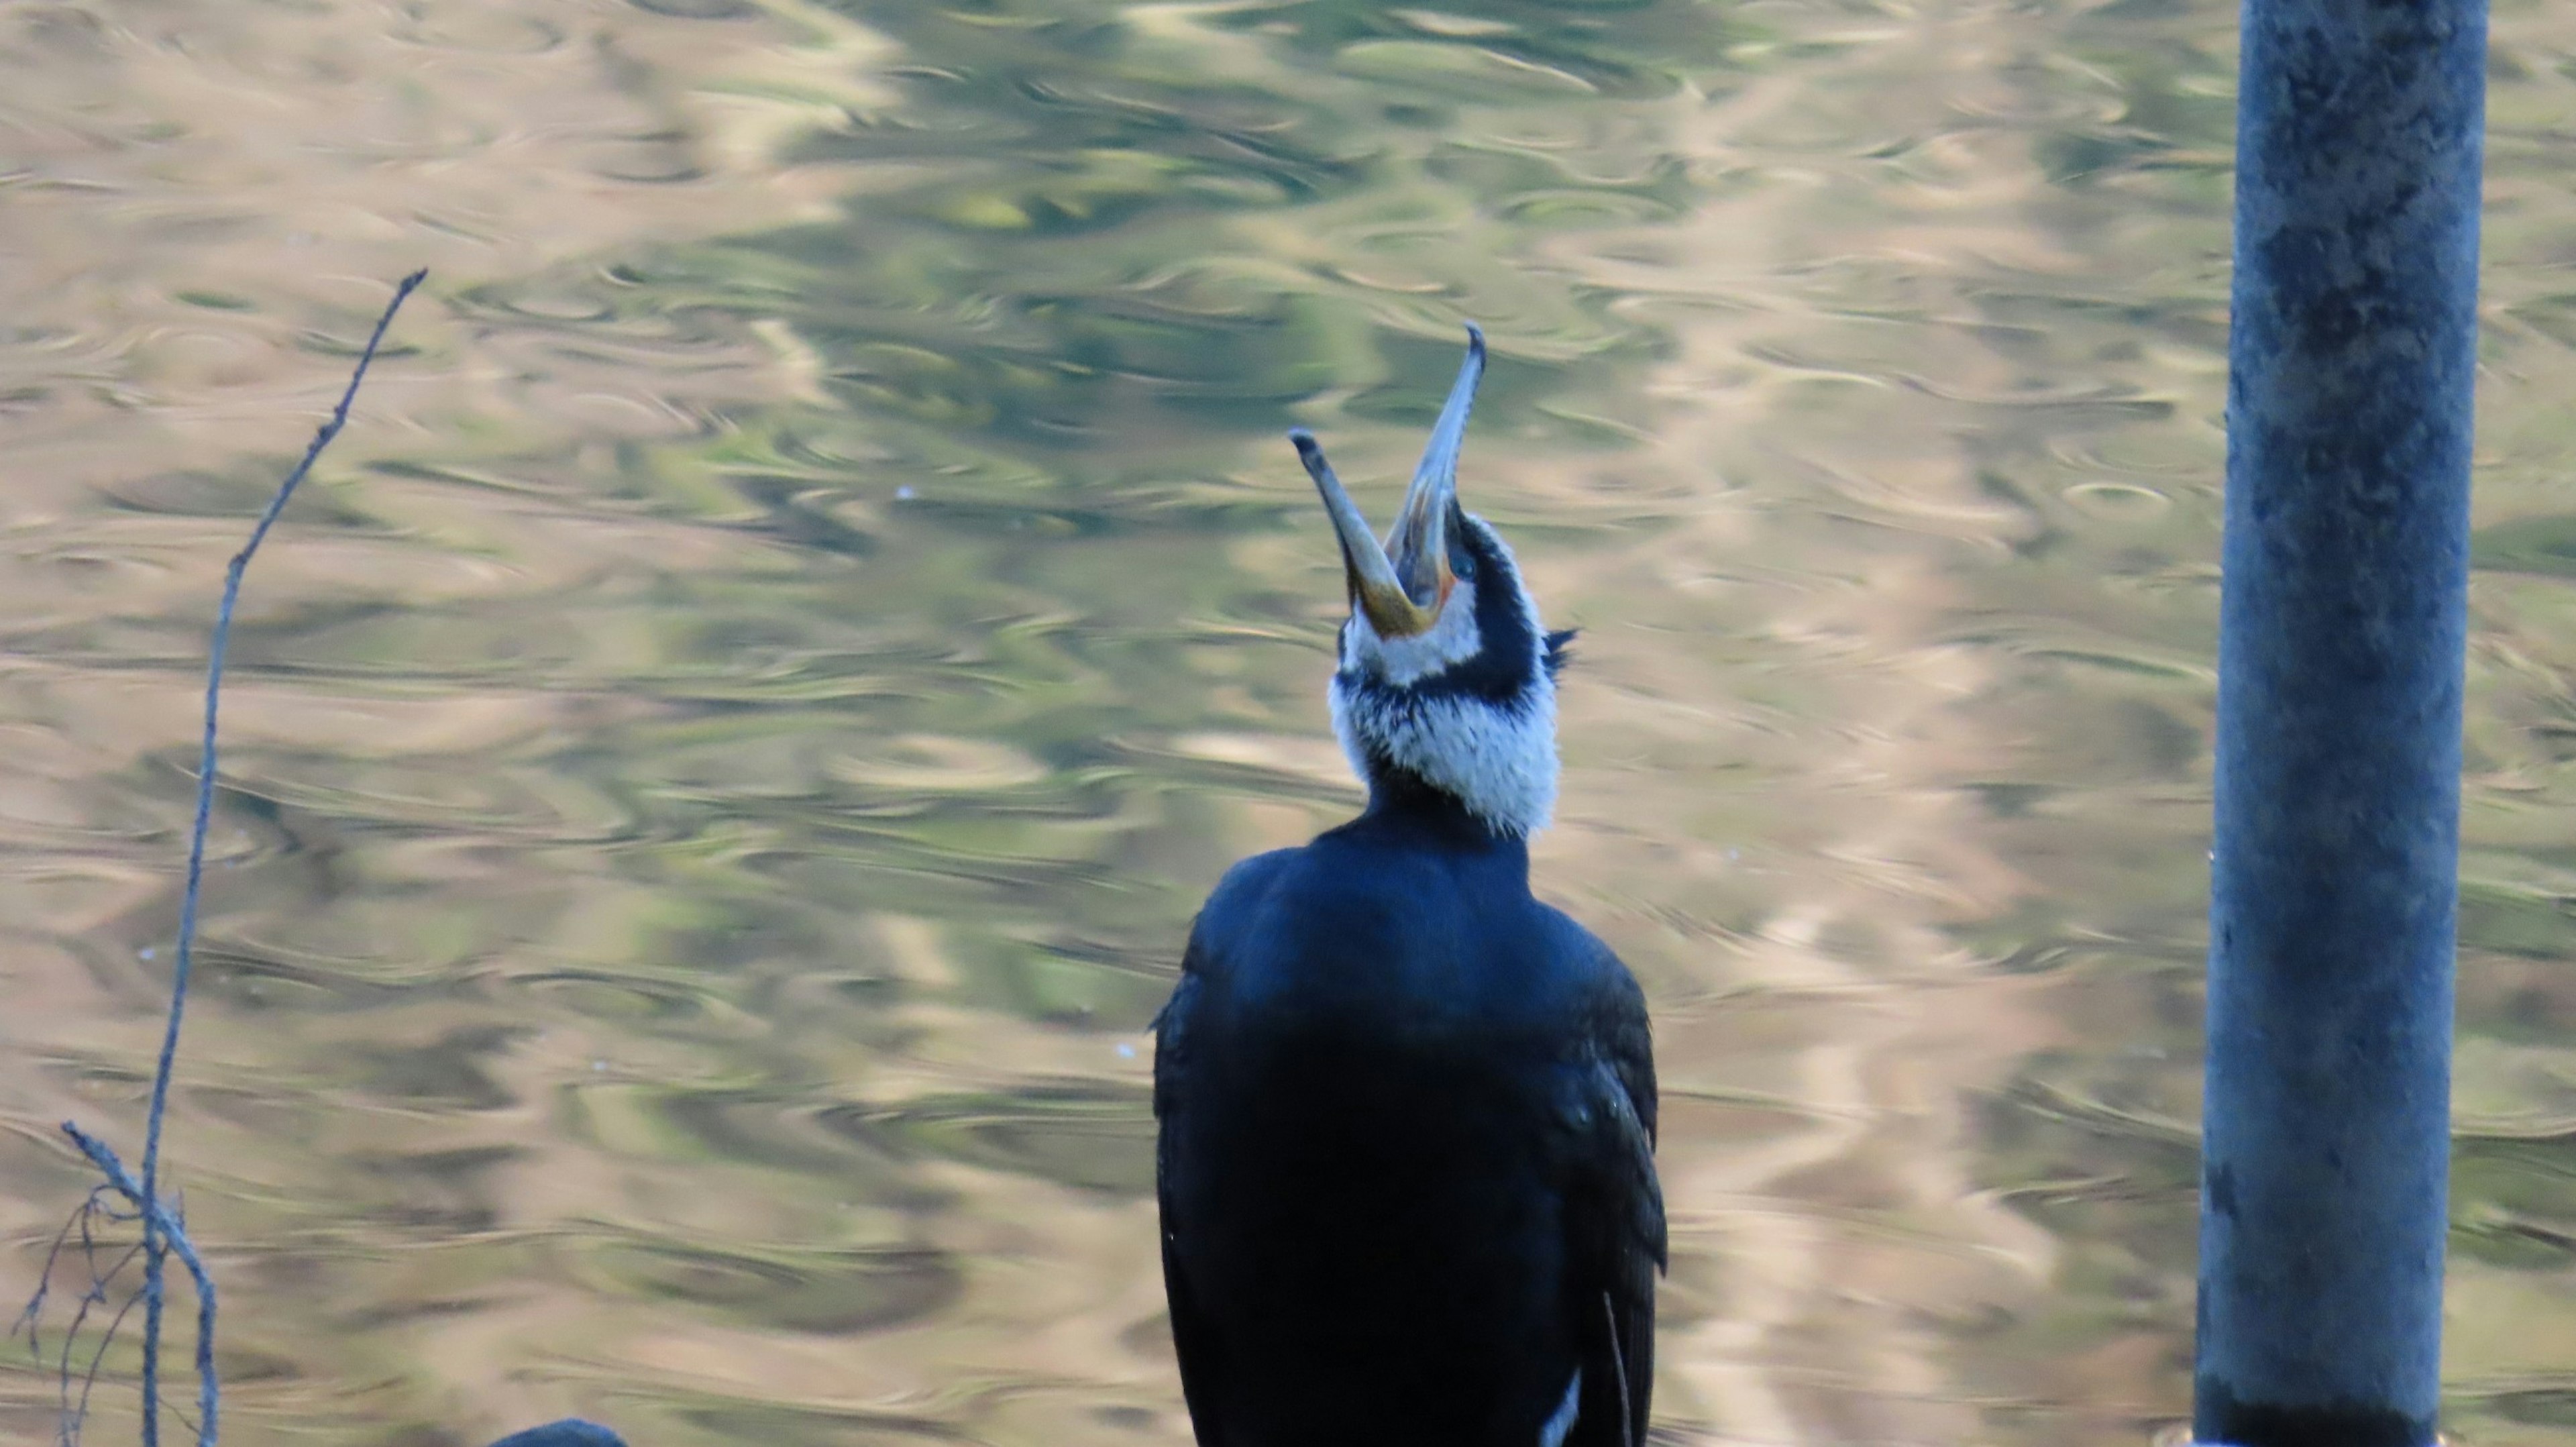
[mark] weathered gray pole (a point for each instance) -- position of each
(2326, 1131)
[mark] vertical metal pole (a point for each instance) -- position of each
(2326, 1132)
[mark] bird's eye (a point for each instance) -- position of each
(1462, 563)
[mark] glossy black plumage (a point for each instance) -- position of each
(1407, 1181)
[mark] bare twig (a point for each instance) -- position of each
(68, 1414)
(161, 1230)
(29, 1318)
(164, 1230)
(154, 1223)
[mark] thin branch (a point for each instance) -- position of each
(68, 1425)
(29, 1319)
(153, 1221)
(159, 1228)
(95, 1296)
(165, 1226)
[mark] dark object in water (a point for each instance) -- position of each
(570, 1432)
(1407, 1167)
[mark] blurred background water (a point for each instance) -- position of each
(724, 753)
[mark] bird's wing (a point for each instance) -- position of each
(1229, 913)
(1615, 1224)
(1192, 1341)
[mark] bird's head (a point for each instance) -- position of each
(1447, 679)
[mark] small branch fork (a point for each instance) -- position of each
(165, 1228)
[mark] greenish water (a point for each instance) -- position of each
(723, 757)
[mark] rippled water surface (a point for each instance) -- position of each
(725, 752)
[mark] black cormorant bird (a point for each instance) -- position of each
(1407, 1111)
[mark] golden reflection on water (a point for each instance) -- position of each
(723, 757)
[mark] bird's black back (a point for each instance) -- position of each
(1406, 1156)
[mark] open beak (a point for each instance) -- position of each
(1403, 585)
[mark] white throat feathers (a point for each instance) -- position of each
(1447, 679)
(1468, 707)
